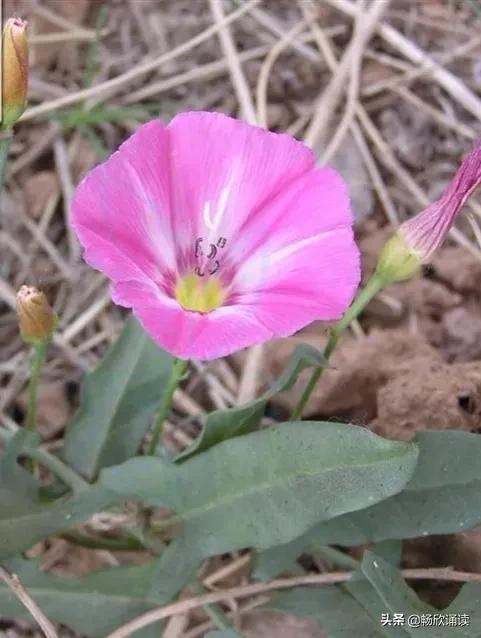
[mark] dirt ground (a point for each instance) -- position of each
(413, 361)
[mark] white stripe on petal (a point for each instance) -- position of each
(291, 249)
(259, 267)
(158, 228)
(206, 215)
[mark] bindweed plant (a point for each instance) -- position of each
(219, 235)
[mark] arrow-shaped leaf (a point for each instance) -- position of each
(117, 402)
(265, 488)
(448, 475)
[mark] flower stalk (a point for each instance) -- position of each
(5, 141)
(179, 368)
(375, 284)
(38, 360)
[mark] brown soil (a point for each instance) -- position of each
(430, 396)
(359, 368)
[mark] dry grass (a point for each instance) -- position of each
(399, 79)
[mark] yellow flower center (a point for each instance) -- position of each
(199, 294)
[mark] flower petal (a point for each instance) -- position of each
(190, 335)
(223, 170)
(121, 210)
(425, 232)
(300, 260)
(311, 288)
(318, 282)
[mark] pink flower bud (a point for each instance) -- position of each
(425, 232)
(417, 238)
(15, 70)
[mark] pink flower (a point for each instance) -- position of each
(425, 232)
(219, 235)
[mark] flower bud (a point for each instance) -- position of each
(14, 71)
(419, 237)
(397, 262)
(36, 317)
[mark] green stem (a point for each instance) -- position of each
(178, 369)
(51, 462)
(5, 139)
(144, 534)
(335, 556)
(160, 526)
(38, 359)
(370, 290)
(55, 465)
(109, 544)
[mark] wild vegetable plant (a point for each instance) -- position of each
(218, 235)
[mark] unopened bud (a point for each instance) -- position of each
(14, 71)
(420, 236)
(36, 318)
(397, 262)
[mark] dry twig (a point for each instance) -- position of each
(27, 601)
(99, 91)
(378, 183)
(332, 578)
(450, 83)
(237, 76)
(330, 96)
(263, 79)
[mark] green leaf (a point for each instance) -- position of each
(389, 550)
(226, 424)
(223, 633)
(24, 518)
(273, 561)
(93, 605)
(174, 569)
(442, 497)
(17, 486)
(117, 402)
(377, 588)
(25, 522)
(388, 593)
(268, 487)
(356, 608)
